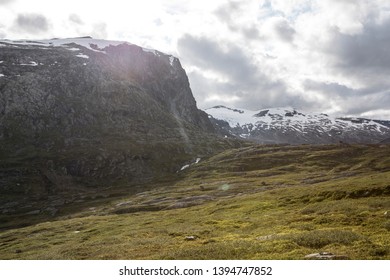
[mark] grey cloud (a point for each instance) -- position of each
(334, 89)
(244, 79)
(363, 57)
(284, 30)
(99, 30)
(208, 54)
(4, 2)
(275, 97)
(366, 52)
(352, 101)
(331, 89)
(203, 87)
(31, 23)
(228, 14)
(251, 32)
(358, 106)
(75, 19)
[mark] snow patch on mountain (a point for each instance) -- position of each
(150, 51)
(290, 125)
(189, 164)
(82, 55)
(265, 117)
(235, 117)
(32, 63)
(96, 45)
(171, 59)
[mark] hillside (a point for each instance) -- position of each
(256, 202)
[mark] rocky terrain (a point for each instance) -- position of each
(287, 125)
(81, 113)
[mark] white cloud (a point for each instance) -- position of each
(226, 98)
(377, 114)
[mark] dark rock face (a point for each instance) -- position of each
(84, 113)
(66, 90)
(386, 141)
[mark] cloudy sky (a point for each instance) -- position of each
(329, 56)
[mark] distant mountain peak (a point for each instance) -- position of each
(227, 108)
(288, 125)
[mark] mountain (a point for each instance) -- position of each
(81, 112)
(386, 141)
(287, 125)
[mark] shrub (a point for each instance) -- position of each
(320, 238)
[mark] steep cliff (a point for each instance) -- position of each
(83, 112)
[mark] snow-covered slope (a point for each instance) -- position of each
(287, 125)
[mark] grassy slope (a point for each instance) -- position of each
(258, 202)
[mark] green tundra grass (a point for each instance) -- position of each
(256, 202)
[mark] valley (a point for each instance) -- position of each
(254, 202)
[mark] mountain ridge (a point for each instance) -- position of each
(288, 125)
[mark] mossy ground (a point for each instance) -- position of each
(257, 202)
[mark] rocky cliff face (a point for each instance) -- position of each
(43, 79)
(81, 112)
